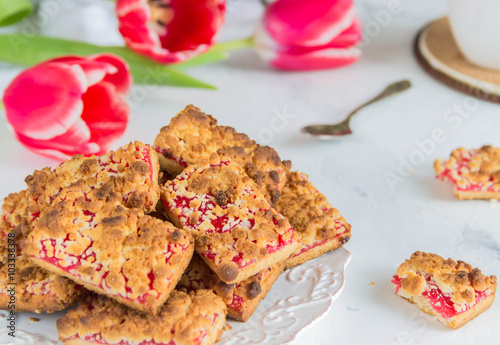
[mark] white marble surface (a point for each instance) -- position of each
(388, 223)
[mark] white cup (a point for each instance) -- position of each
(476, 27)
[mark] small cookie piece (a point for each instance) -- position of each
(34, 289)
(320, 227)
(24, 286)
(242, 298)
(131, 172)
(237, 233)
(451, 290)
(133, 258)
(474, 173)
(195, 318)
(192, 136)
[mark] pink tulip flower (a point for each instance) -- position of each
(309, 35)
(70, 105)
(170, 31)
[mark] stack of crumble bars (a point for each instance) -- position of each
(158, 244)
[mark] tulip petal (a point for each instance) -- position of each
(105, 67)
(296, 58)
(105, 113)
(74, 141)
(299, 22)
(349, 37)
(94, 70)
(309, 59)
(54, 92)
(121, 78)
(188, 31)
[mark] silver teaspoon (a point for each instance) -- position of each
(328, 132)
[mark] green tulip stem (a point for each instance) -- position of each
(233, 45)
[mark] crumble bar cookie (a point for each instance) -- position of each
(320, 227)
(242, 298)
(24, 286)
(95, 241)
(131, 171)
(36, 290)
(452, 291)
(192, 136)
(196, 318)
(474, 173)
(237, 233)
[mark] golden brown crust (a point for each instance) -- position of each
(192, 136)
(458, 278)
(110, 249)
(131, 172)
(13, 221)
(320, 227)
(182, 319)
(242, 298)
(36, 290)
(466, 287)
(237, 233)
(475, 173)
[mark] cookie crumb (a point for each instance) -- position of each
(34, 319)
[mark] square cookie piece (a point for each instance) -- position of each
(320, 227)
(112, 250)
(193, 136)
(195, 318)
(23, 285)
(241, 298)
(452, 291)
(475, 173)
(131, 172)
(237, 233)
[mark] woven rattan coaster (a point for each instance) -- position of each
(439, 55)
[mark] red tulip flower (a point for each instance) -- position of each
(69, 105)
(307, 35)
(170, 31)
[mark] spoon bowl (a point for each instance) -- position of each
(329, 132)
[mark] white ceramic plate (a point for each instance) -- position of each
(298, 298)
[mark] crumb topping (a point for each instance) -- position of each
(236, 296)
(131, 172)
(192, 136)
(226, 212)
(111, 249)
(476, 170)
(312, 217)
(193, 318)
(456, 279)
(31, 281)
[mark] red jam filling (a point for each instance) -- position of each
(439, 301)
(236, 303)
(147, 159)
(462, 166)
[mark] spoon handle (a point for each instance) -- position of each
(390, 90)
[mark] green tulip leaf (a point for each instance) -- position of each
(31, 50)
(12, 11)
